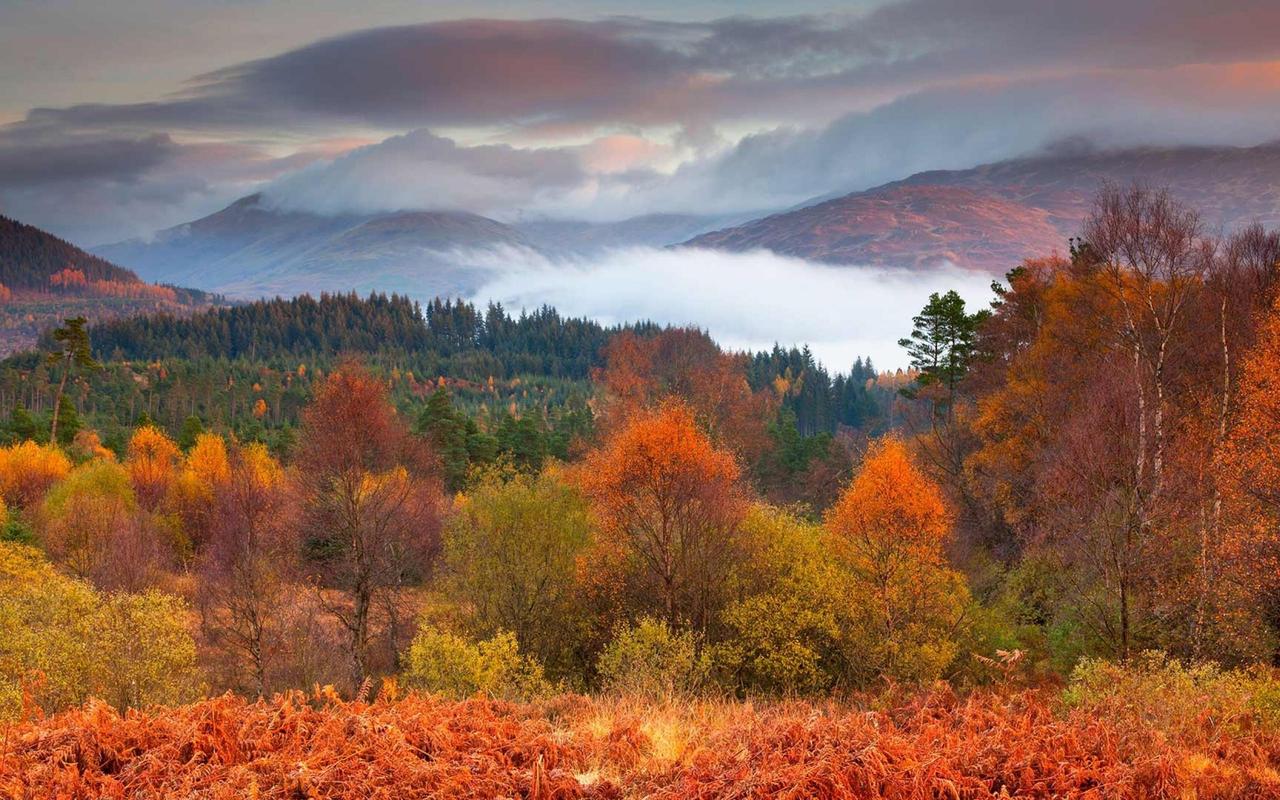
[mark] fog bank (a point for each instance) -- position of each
(746, 301)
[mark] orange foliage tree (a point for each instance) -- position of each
(151, 459)
(1250, 550)
(889, 530)
(661, 488)
(27, 470)
(685, 363)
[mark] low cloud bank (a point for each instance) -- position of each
(746, 301)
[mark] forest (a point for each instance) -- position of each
(351, 547)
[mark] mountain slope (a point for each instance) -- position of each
(250, 249)
(992, 216)
(44, 279)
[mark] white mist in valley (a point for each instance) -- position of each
(746, 301)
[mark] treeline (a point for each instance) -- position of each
(251, 367)
(820, 402)
(446, 337)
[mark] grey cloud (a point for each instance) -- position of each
(420, 170)
(93, 189)
(31, 163)
(958, 128)
(629, 70)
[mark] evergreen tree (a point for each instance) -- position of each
(73, 350)
(21, 424)
(446, 429)
(192, 427)
(941, 343)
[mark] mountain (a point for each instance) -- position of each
(251, 249)
(44, 279)
(992, 216)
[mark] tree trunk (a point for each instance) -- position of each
(57, 403)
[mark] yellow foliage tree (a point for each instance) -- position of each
(191, 493)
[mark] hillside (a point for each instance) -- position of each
(252, 250)
(992, 216)
(44, 279)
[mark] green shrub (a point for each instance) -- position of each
(1174, 697)
(445, 663)
(782, 644)
(652, 660)
(64, 642)
(148, 652)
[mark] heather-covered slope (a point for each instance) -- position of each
(992, 216)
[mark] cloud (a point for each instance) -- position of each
(746, 301)
(96, 189)
(555, 73)
(422, 171)
(606, 118)
(953, 128)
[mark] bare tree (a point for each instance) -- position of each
(1153, 257)
(247, 566)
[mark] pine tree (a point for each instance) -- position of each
(74, 351)
(941, 344)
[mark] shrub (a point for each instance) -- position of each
(445, 663)
(1177, 698)
(652, 660)
(784, 636)
(62, 642)
(148, 653)
(46, 631)
(511, 550)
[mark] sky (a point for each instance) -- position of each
(121, 118)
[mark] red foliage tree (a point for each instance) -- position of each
(371, 499)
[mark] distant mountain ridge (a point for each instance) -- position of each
(988, 217)
(251, 249)
(992, 216)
